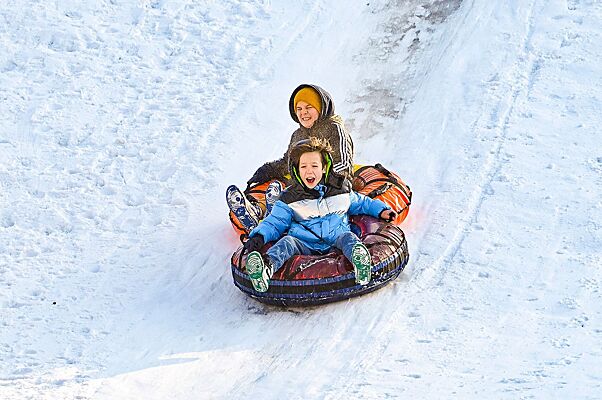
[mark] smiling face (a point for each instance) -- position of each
(311, 168)
(306, 113)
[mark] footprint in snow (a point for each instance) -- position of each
(596, 165)
(6, 221)
(590, 284)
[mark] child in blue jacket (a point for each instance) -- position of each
(316, 216)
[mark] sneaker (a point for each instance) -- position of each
(247, 213)
(362, 263)
(259, 271)
(272, 194)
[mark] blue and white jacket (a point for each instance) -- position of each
(323, 210)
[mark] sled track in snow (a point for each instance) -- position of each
(378, 342)
(494, 119)
(504, 95)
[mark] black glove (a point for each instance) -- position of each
(388, 215)
(254, 244)
(263, 174)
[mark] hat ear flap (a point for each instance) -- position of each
(296, 174)
(328, 164)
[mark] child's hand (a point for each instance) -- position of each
(388, 215)
(254, 244)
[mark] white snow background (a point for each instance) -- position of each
(122, 123)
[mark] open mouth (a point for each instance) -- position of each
(310, 180)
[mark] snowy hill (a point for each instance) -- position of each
(123, 122)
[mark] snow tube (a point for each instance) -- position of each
(377, 182)
(320, 279)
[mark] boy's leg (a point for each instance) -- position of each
(247, 213)
(261, 269)
(284, 249)
(359, 256)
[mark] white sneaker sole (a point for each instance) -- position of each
(238, 204)
(362, 264)
(257, 272)
(272, 194)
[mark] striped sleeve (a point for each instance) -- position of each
(343, 157)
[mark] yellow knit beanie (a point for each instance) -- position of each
(310, 96)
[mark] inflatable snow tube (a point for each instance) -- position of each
(320, 279)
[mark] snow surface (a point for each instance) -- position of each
(122, 123)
